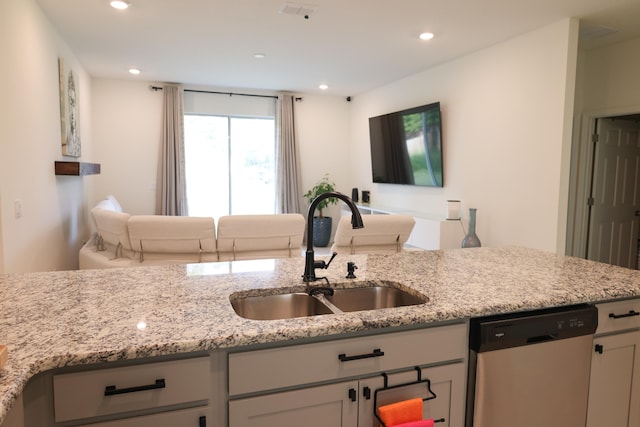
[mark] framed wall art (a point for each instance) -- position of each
(69, 120)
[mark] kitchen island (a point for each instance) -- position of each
(62, 319)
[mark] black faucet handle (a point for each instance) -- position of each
(331, 259)
(324, 264)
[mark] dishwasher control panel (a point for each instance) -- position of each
(532, 327)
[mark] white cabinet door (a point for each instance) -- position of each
(447, 382)
(614, 389)
(333, 405)
(351, 404)
(15, 417)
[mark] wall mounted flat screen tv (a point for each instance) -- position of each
(406, 147)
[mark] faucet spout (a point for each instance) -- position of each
(310, 264)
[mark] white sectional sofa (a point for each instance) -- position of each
(381, 234)
(123, 240)
(259, 236)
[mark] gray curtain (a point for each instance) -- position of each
(172, 188)
(288, 193)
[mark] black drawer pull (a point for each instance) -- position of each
(202, 422)
(352, 394)
(631, 313)
(111, 390)
(366, 392)
(599, 348)
(376, 353)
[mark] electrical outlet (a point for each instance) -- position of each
(17, 208)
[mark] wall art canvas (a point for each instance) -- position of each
(69, 120)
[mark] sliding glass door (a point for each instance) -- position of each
(230, 165)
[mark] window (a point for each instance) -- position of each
(230, 165)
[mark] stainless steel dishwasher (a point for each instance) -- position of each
(531, 368)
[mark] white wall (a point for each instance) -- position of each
(127, 125)
(608, 84)
(611, 78)
(504, 129)
(54, 220)
(323, 131)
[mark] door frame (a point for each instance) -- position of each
(580, 176)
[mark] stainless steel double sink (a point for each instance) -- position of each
(301, 304)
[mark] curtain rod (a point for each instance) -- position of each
(157, 88)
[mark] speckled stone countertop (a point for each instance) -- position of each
(58, 319)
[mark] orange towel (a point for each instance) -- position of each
(424, 423)
(401, 412)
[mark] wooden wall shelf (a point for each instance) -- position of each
(77, 168)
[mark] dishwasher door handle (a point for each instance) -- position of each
(541, 338)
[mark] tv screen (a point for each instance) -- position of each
(406, 147)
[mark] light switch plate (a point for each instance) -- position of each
(17, 207)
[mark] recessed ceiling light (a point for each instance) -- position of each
(119, 4)
(426, 36)
(134, 71)
(259, 55)
(323, 86)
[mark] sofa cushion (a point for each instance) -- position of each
(115, 203)
(111, 227)
(158, 234)
(381, 233)
(109, 203)
(260, 236)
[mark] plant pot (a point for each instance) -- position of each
(321, 231)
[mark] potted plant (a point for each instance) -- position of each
(321, 223)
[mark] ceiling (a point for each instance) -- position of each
(351, 45)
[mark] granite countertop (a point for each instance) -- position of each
(58, 319)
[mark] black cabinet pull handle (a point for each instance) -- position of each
(631, 313)
(202, 422)
(352, 394)
(376, 353)
(599, 348)
(366, 392)
(111, 390)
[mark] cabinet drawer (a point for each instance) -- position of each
(259, 370)
(84, 394)
(618, 316)
(183, 418)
